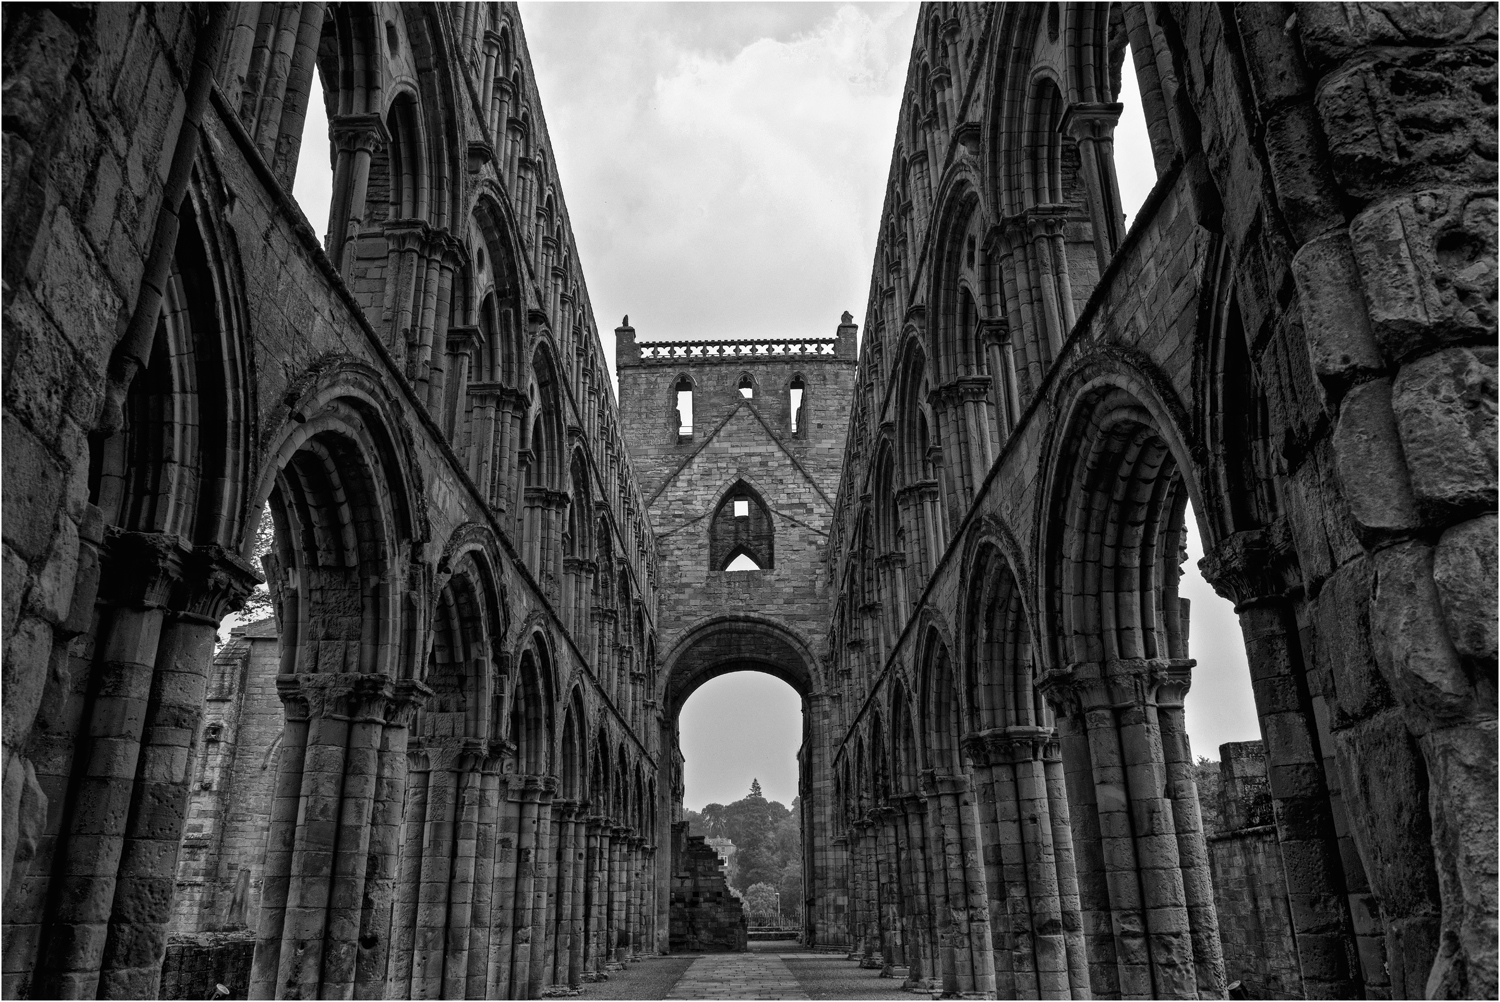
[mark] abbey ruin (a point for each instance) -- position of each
(448, 766)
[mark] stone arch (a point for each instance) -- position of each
(938, 701)
(531, 715)
(335, 497)
(723, 644)
(1121, 444)
(1234, 422)
(1118, 484)
(997, 647)
(179, 463)
(753, 534)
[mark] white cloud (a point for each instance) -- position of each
(723, 165)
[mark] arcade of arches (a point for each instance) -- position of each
(448, 766)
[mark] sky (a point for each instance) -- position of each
(724, 167)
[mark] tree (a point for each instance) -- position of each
(761, 901)
(258, 605)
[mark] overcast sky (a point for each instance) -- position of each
(723, 167)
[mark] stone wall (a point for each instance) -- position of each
(1250, 886)
(196, 965)
(221, 866)
(706, 916)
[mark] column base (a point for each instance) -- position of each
(870, 964)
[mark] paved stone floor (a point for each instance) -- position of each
(769, 971)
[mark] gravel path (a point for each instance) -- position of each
(768, 971)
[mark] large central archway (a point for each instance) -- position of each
(745, 642)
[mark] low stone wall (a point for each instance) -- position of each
(195, 964)
(705, 916)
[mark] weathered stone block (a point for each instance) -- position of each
(1376, 483)
(1333, 314)
(1464, 571)
(1331, 33)
(1412, 645)
(1445, 407)
(1428, 262)
(1411, 118)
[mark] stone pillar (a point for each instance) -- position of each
(143, 721)
(503, 901)
(563, 814)
(967, 955)
(525, 893)
(889, 891)
(1092, 125)
(869, 894)
(577, 920)
(920, 907)
(486, 864)
(1044, 225)
(1257, 570)
(307, 940)
(1192, 846)
(381, 884)
(617, 896)
(406, 266)
(1024, 865)
(541, 891)
(595, 890)
(1136, 824)
(355, 139)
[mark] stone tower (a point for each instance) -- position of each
(739, 446)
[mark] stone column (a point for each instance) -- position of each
(355, 139)
(525, 893)
(968, 960)
(1192, 847)
(920, 908)
(869, 904)
(1044, 225)
(487, 839)
(542, 890)
(503, 901)
(381, 885)
(1141, 865)
(617, 896)
(1002, 366)
(88, 854)
(1257, 570)
(1025, 864)
(577, 922)
(406, 264)
(308, 934)
(889, 891)
(560, 912)
(1092, 125)
(213, 581)
(595, 889)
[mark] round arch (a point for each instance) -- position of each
(727, 644)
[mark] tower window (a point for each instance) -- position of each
(740, 534)
(684, 391)
(747, 387)
(795, 404)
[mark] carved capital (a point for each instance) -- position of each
(406, 235)
(1090, 120)
(464, 338)
(1045, 220)
(1254, 566)
(358, 133)
(141, 569)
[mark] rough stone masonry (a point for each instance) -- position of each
(448, 766)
